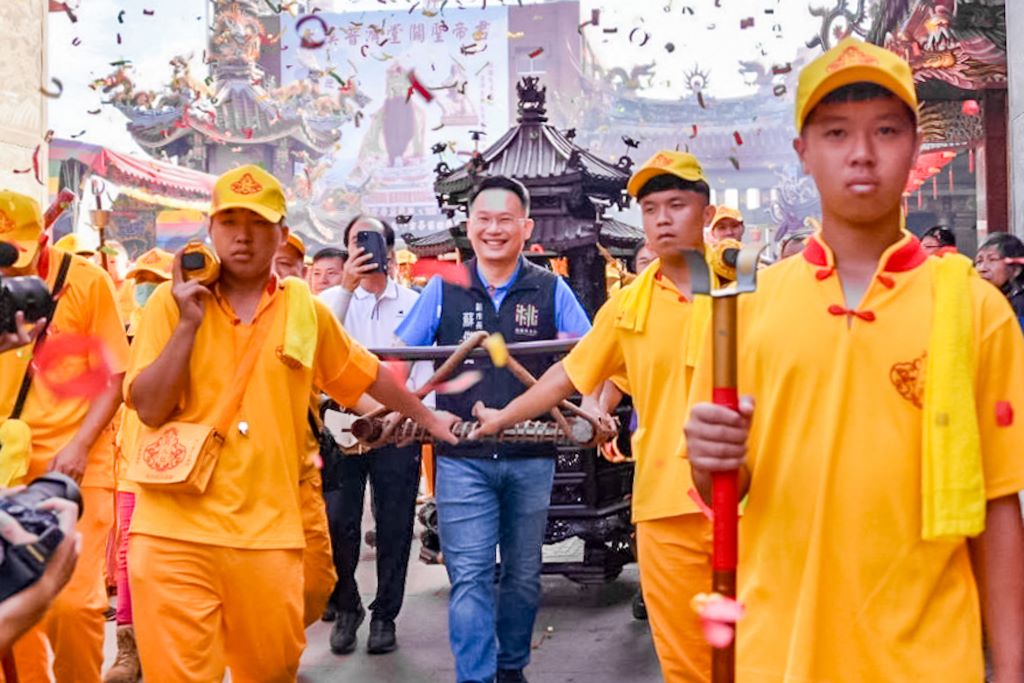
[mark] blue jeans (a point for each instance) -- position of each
(483, 503)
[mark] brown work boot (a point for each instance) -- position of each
(127, 668)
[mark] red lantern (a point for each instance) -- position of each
(970, 108)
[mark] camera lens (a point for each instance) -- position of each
(26, 294)
(51, 485)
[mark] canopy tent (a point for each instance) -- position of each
(151, 181)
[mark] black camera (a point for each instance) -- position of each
(27, 294)
(22, 565)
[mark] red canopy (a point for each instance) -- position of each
(158, 180)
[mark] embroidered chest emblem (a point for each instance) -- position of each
(908, 378)
(166, 453)
(527, 319)
(246, 185)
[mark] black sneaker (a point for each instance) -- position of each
(639, 607)
(330, 614)
(511, 676)
(343, 632)
(382, 637)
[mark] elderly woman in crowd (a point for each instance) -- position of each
(1000, 260)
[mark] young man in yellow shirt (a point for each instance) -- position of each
(69, 435)
(726, 225)
(217, 577)
(319, 576)
(883, 457)
(640, 337)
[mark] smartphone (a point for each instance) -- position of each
(373, 242)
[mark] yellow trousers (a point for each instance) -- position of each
(199, 609)
(318, 572)
(675, 564)
(74, 623)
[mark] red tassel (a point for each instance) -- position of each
(920, 200)
(935, 187)
(970, 160)
(951, 178)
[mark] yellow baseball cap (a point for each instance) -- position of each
(155, 261)
(722, 212)
(21, 225)
(853, 61)
(249, 187)
(680, 164)
(295, 241)
(69, 243)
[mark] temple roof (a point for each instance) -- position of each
(537, 154)
(243, 115)
(621, 235)
(233, 105)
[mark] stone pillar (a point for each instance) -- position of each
(995, 166)
(1015, 76)
(586, 277)
(23, 71)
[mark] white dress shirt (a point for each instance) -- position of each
(372, 320)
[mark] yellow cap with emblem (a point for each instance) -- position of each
(249, 187)
(667, 162)
(853, 61)
(722, 212)
(21, 225)
(71, 244)
(296, 243)
(155, 261)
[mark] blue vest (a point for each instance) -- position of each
(526, 314)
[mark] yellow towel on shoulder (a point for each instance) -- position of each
(635, 305)
(15, 452)
(300, 327)
(952, 480)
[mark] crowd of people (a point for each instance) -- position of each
(881, 529)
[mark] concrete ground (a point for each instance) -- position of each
(582, 634)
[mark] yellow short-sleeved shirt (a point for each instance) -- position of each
(652, 365)
(838, 585)
(253, 496)
(87, 307)
(128, 427)
(307, 467)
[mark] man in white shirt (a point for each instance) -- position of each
(371, 305)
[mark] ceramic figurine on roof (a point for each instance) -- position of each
(962, 44)
(570, 189)
(233, 116)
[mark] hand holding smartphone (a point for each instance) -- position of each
(373, 243)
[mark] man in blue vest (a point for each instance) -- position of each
(494, 495)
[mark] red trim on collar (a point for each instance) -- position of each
(272, 283)
(815, 252)
(908, 256)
